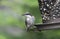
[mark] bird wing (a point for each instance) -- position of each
(33, 19)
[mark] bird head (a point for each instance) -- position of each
(27, 13)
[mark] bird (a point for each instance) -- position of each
(29, 20)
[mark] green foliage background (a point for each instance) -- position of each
(12, 16)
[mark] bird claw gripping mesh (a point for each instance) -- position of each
(50, 10)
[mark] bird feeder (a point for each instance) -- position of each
(50, 12)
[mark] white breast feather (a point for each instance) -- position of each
(30, 20)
